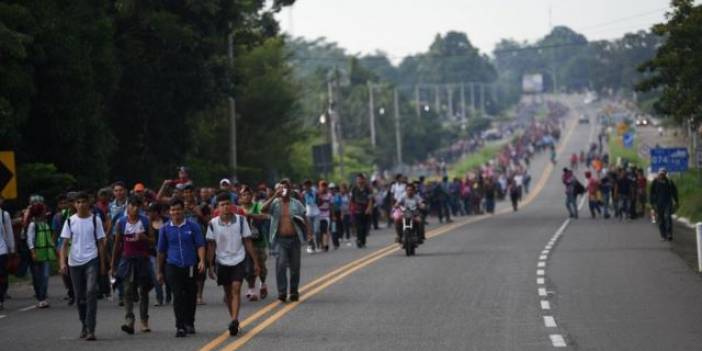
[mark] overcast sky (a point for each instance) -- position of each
(403, 27)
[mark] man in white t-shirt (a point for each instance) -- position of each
(229, 237)
(84, 233)
(398, 188)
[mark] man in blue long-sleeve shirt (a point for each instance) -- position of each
(181, 251)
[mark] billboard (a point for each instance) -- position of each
(533, 83)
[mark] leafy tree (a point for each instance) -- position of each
(677, 66)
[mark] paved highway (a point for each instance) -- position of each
(529, 280)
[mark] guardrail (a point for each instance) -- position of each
(687, 243)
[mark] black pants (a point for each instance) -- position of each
(362, 227)
(182, 282)
(376, 217)
(665, 221)
(288, 258)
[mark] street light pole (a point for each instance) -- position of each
(232, 111)
(416, 101)
(371, 111)
(463, 106)
(398, 140)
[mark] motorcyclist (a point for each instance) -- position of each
(413, 202)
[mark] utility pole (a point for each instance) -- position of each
(437, 99)
(472, 97)
(398, 140)
(332, 118)
(335, 120)
(416, 101)
(463, 106)
(371, 110)
(482, 99)
(449, 92)
(232, 110)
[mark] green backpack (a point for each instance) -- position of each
(43, 243)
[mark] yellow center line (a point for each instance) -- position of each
(271, 306)
(346, 270)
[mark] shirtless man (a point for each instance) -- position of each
(287, 233)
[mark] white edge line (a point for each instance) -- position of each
(28, 308)
(557, 340)
(2, 316)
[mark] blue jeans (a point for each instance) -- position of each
(606, 197)
(316, 237)
(665, 221)
(289, 252)
(623, 206)
(490, 205)
(85, 287)
(40, 279)
(571, 205)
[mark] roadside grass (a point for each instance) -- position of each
(618, 154)
(690, 195)
(487, 153)
(689, 187)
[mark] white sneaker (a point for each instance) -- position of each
(310, 250)
(249, 293)
(317, 250)
(348, 243)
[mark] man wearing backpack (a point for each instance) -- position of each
(7, 247)
(181, 255)
(133, 239)
(229, 237)
(664, 200)
(40, 241)
(85, 261)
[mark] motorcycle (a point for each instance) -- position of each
(410, 235)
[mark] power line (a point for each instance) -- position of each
(622, 19)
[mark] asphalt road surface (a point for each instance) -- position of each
(526, 280)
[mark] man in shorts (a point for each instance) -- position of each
(229, 237)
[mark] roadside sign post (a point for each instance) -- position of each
(674, 159)
(8, 175)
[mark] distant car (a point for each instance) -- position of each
(492, 134)
(584, 119)
(643, 122)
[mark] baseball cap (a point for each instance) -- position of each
(225, 181)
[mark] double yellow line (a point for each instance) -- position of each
(316, 286)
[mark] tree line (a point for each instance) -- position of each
(103, 90)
